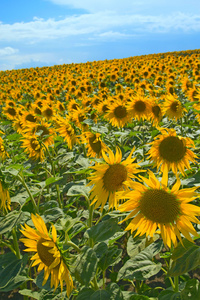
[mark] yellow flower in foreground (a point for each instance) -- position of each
(110, 176)
(156, 206)
(172, 152)
(4, 198)
(48, 255)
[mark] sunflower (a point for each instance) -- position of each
(65, 129)
(118, 114)
(139, 107)
(155, 206)
(3, 152)
(172, 152)
(33, 147)
(43, 128)
(172, 107)
(48, 112)
(110, 176)
(156, 111)
(48, 255)
(4, 197)
(94, 144)
(10, 112)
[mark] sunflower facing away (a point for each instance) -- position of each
(110, 176)
(172, 107)
(155, 206)
(4, 197)
(172, 152)
(33, 147)
(48, 255)
(94, 144)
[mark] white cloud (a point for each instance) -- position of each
(97, 24)
(15, 60)
(7, 51)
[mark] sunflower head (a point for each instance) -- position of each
(111, 176)
(48, 254)
(171, 151)
(153, 206)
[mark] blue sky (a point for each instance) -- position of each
(51, 32)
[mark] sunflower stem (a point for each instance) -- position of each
(21, 179)
(95, 284)
(54, 174)
(170, 279)
(15, 242)
(104, 273)
(176, 282)
(91, 208)
(181, 126)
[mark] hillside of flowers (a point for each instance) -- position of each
(99, 179)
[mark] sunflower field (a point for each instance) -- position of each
(100, 178)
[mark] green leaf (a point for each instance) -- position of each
(39, 279)
(100, 295)
(100, 249)
(169, 295)
(191, 290)
(187, 262)
(140, 267)
(30, 294)
(180, 250)
(66, 223)
(53, 214)
(11, 220)
(103, 230)
(51, 180)
(76, 190)
(139, 297)
(85, 294)
(110, 258)
(15, 283)
(86, 266)
(135, 246)
(9, 278)
(115, 291)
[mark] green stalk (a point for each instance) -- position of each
(170, 279)
(54, 174)
(21, 179)
(91, 208)
(176, 282)
(15, 242)
(104, 273)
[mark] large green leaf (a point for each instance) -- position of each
(11, 220)
(85, 294)
(187, 262)
(115, 291)
(191, 290)
(135, 246)
(170, 295)
(110, 258)
(86, 266)
(140, 267)
(104, 230)
(10, 275)
(100, 295)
